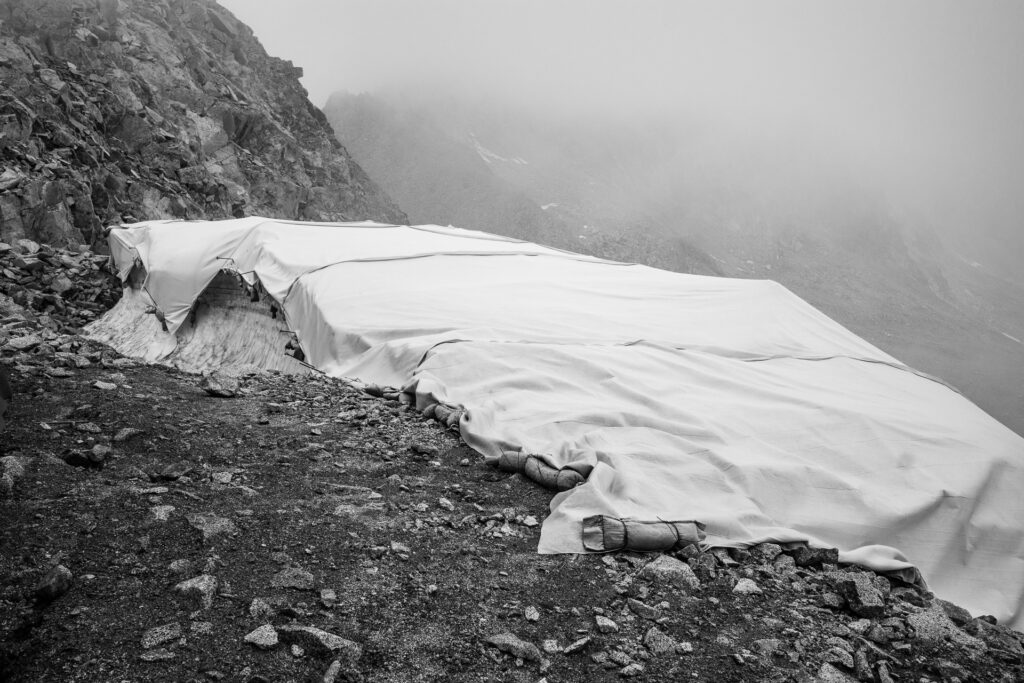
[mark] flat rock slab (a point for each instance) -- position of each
(515, 646)
(220, 385)
(806, 556)
(200, 589)
(211, 525)
(264, 637)
(160, 635)
(861, 595)
(932, 625)
(746, 587)
(659, 643)
(293, 577)
(667, 569)
(319, 642)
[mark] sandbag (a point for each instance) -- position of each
(602, 533)
(536, 469)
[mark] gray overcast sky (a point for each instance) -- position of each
(926, 88)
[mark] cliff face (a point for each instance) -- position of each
(122, 110)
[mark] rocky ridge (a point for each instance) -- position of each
(115, 111)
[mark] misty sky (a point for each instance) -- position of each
(928, 92)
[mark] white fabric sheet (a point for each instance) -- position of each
(732, 402)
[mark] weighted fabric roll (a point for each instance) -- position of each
(605, 534)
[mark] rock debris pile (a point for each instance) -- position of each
(61, 290)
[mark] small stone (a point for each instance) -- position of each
(784, 564)
(551, 646)
(576, 645)
(423, 448)
(832, 600)
(89, 428)
(839, 656)
(606, 625)
(643, 610)
(931, 625)
(99, 453)
(297, 651)
(211, 525)
(105, 386)
(160, 635)
(667, 569)
(161, 513)
(293, 577)
(201, 589)
(862, 666)
(746, 587)
(328, 597)
(264, 637)
(766, 552)
(331, 675)
(180, 567)
(531, 613)
(766, 647)
(201, 628)
(958, 615)
(158, 655)
(862, 597)
(631, 670)
(53, 585)
(530, 521)
(805, 556)
(446, 504)
(829, 674)
(25, 343)
(174, 471)
(126, 433)
(220, 385)
(260, 609)
(521, 649)
(319, 642)
(658, 642)
(223, 478)
(723, 557)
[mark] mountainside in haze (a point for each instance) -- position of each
(694, 198)
(439, 176)
(117, 111)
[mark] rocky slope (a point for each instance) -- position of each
(121, 110)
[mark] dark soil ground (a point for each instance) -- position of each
(428, 552)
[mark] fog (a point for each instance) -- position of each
(926, 98)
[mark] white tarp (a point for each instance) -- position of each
(732, 402)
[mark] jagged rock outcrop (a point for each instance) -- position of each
(121, 110)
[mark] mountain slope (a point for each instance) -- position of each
(439, 173)
(694, 198)
(120, 111)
